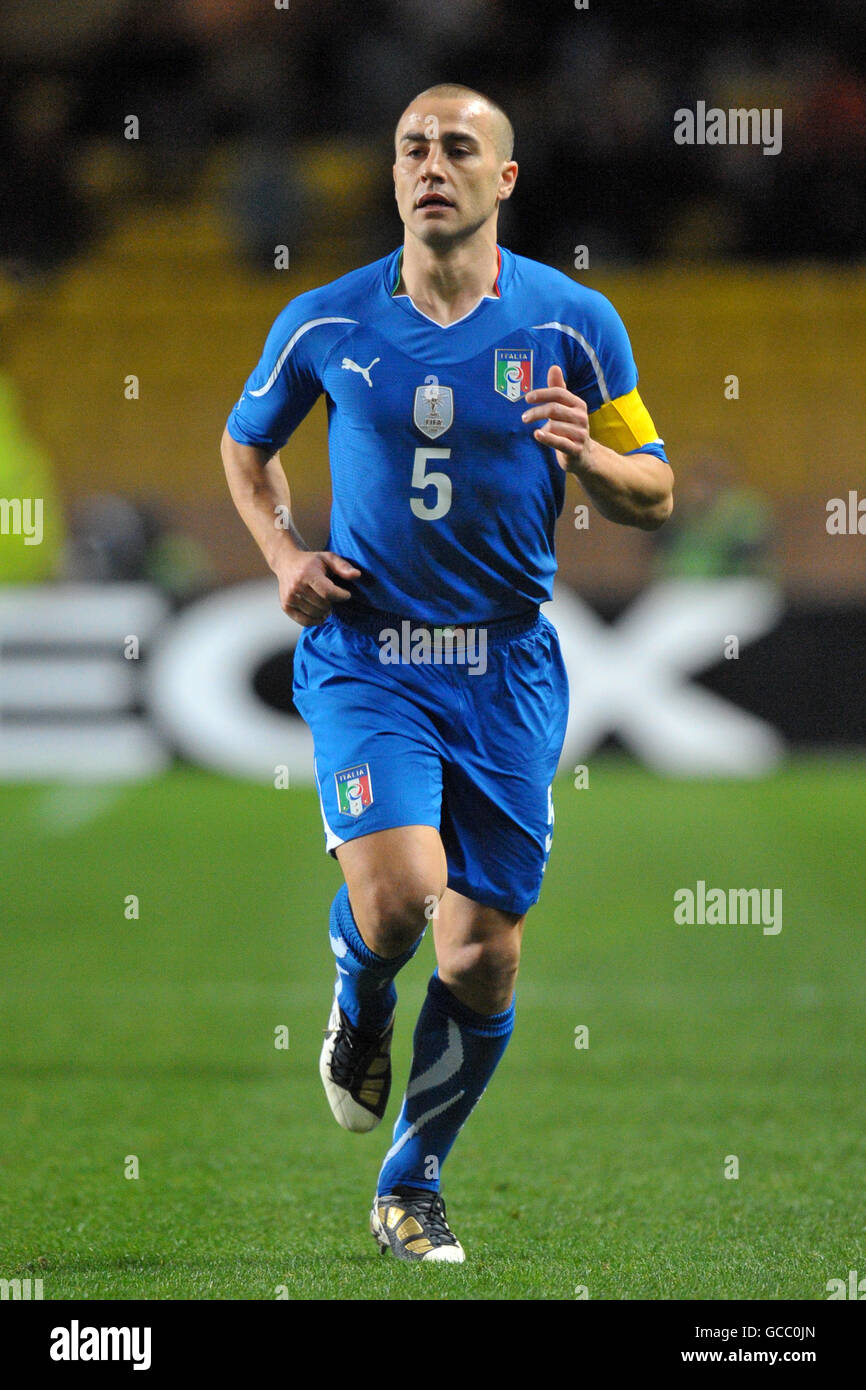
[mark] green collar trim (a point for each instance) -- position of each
(399, 271)
(398, 274)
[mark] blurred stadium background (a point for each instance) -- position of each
(141, 263)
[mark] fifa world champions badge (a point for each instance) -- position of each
(354, 789)
(512, 372)
(433, 411)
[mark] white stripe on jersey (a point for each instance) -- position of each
(588, 349)
(298, 333)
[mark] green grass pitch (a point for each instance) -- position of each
(602, 1167)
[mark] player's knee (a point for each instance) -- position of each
(393, 912)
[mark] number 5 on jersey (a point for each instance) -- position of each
(421, 479)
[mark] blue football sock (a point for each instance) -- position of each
(365, 981)
(456, 1053)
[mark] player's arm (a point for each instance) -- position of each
(260, 491)
(633, 489)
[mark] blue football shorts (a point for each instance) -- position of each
(468, 747)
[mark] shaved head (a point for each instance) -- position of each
(501, 129)
(452, 166)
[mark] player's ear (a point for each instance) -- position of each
(507, 179)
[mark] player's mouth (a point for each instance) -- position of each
(433, 200)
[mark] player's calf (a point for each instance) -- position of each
(478, 949)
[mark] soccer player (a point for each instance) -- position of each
(462, 383)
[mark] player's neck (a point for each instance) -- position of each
(446, 285)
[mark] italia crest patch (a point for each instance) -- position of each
(434, 408)
(354, 789)
(512, 372)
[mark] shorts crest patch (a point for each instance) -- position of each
(354, 789)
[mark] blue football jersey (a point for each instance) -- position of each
(440, 494)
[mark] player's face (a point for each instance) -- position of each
(449, 176)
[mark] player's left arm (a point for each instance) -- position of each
(634, 489)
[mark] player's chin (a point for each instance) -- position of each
(438, 230)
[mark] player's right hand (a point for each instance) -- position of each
(307, 590)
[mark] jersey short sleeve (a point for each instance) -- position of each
(286, 383)
(605, 377)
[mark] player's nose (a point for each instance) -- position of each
(431, 165)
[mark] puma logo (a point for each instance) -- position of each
(349, 366)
